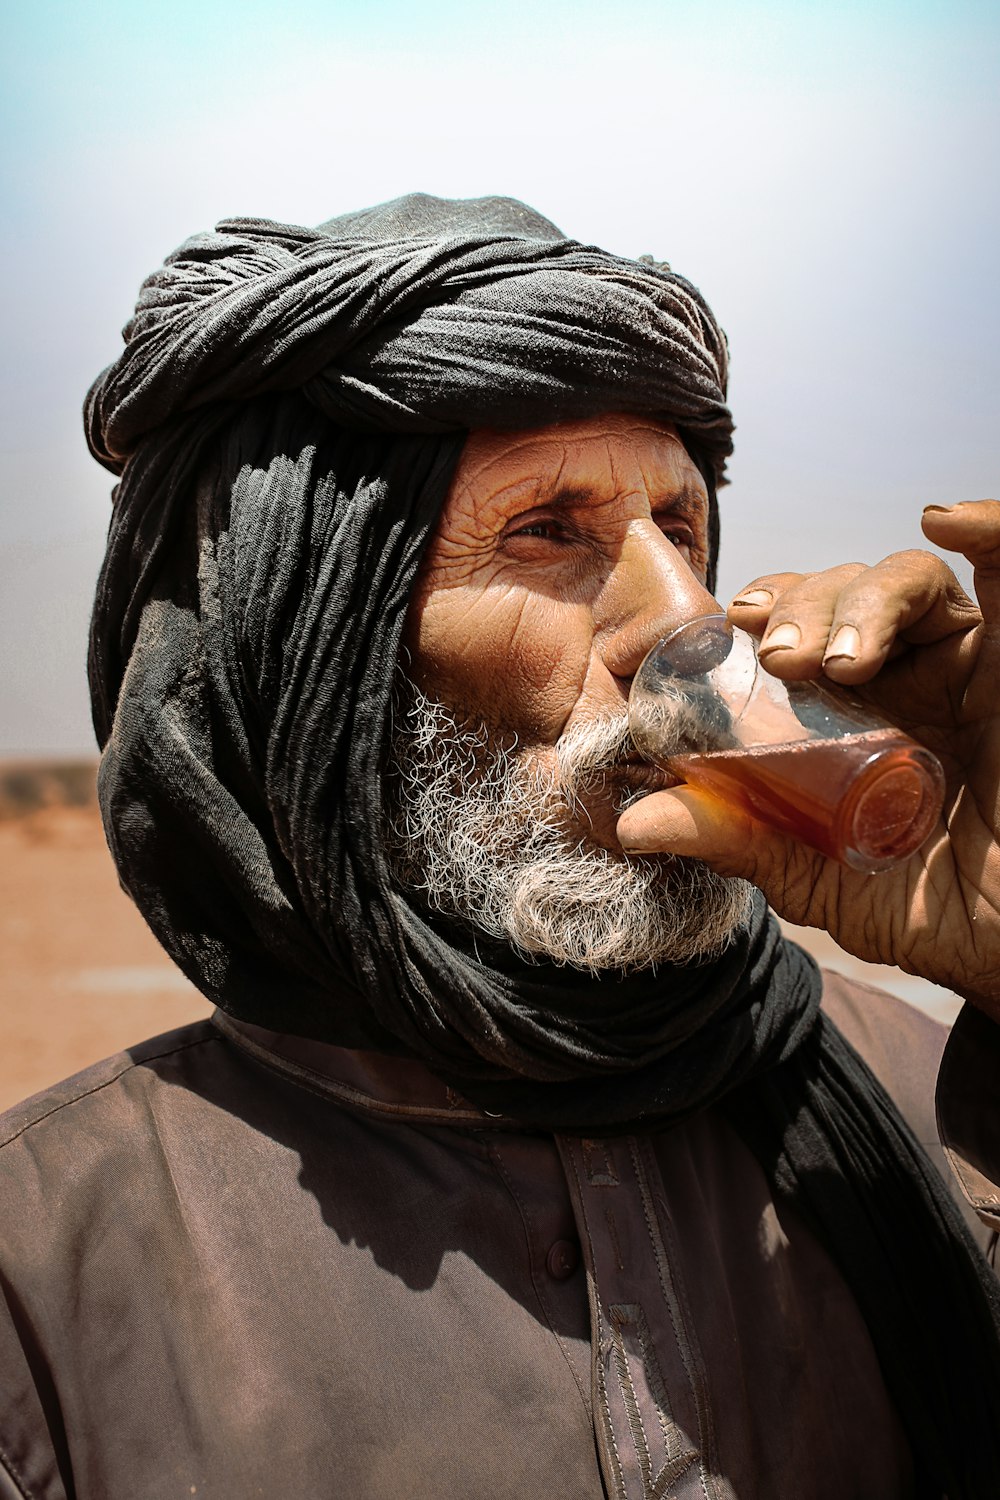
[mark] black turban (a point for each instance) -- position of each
(418, 317)
(286, 417)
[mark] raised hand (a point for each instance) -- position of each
(905, 636)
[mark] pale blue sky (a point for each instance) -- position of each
(826, 173)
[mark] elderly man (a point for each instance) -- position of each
(521, 1157)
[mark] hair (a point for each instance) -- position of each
(487, 834)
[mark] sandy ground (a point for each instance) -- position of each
(83, 977)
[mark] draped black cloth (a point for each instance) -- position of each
(285, 417)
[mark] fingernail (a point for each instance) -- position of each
(845, 645)
(755, 597)
(941, 509)
(782, 638)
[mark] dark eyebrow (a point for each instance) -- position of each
(688, 498)
(569, 495)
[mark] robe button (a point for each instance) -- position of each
(562, 1259)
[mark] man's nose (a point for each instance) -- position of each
(650, 592)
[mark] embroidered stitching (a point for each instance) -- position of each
(14, 1473)
(601, 1344)
(597, 1164)
(613, 1236)
(679, 1455)
(620, 1316)
(676, 1309)
(605, 1348)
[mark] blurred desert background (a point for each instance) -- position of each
(84, 977)
(82, 974)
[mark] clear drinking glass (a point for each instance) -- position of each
(812, 762)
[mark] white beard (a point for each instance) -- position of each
(484, 833)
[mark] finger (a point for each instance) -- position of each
(972, 528)
(690, 822)
(750, 608)
(798, 629)
(910, 598)
(846, 622)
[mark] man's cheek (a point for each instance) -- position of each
(540, 670)
(529, 691)
(514, 658)
(543, 685)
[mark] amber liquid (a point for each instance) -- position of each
(868, 800)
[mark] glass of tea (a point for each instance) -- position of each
(815, 763)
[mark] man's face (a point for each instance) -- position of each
(561, 557)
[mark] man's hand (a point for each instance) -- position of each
(907, 637)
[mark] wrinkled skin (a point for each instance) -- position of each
(922, 651)
(561, 557)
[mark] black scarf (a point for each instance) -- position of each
(286, 417)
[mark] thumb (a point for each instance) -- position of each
(689, 822)
(973, 528)
(692, 822)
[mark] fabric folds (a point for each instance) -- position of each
(285, 417)
(243, 785)
(426, 331)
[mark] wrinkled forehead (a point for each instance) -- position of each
(593, 459)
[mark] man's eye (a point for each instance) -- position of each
(544, 530)
(681, 536)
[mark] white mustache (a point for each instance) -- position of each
(480, 834)
(592, 749)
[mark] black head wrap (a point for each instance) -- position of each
(286, 416)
